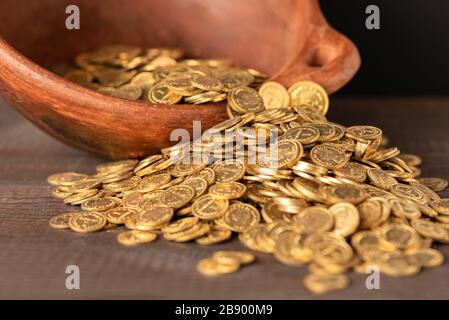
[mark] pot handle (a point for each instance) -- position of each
(328, 58)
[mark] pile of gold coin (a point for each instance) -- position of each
(284, 179)
(157, 75)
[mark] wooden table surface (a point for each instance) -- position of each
(34, 257)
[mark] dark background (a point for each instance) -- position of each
(408, 55)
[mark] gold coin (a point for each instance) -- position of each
(120, 215)
(303, 134)
(66, 178)
(309, 93)
(314, 219)
(363, 133)
(207, 174)
(229, 171)
(320, 284)
(231, 256)
(328, 156)
(241, 216)
(436, 184)
(373, 212)
(344, 192)
(208, 207)
(198, 184)
(177, 196)
(274, 95)
(400, 236)
(381, 179)
(135, 237)
(180, 225)
(206, 83)
(83, 185)
(211, 267)
(153, 182)
(396, 264)
(228, 190)
(426, 257)
(79, 197)
(245, 100)
(441, 206)
(346, 218)
(353, 171)
(195, 232)
(162, 94)
(215, 235)
(285, 153)
(61, 221)
(408, 192)
(154, 217)
(116, 166)
(86, 222)
(327, 131)
(99, 205)
(430, 230)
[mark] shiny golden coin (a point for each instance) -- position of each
(215, 235)
(314, 219)
(364, 133)
(120, 215)
(83, 185)
(206, 83)
(353, 171)
(309, 93)
(400, 236)
(61, 221)
(284, 153)
(180, 225)
(177, 196)
(195, 232)
(229, 171)
(161, 93)
(79, 197)
(241, 216)
(430, 229)
(404, 208)
(327, 131)
(211, 267)
(381, 179)
(208, 207)
(245, 100)
(320, 284)
(436, 184)
(154, 217)
(304, 134)
(136, 237)
(396, 264)
(207, 174)
(99, 205)
(274, 95)
(441, 206)
(198, 184)
(123, 185)
(66, 178)
(86, 222)
(60, 193)
(344, 192)
(328, 156)
(408, 192)
(228, 190)
(373, 212)
(311, 114)
(426, 257)
(231, 256)
(153, 182)
(346, 218)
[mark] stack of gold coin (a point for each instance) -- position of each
(157, 75)
(283, 178)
